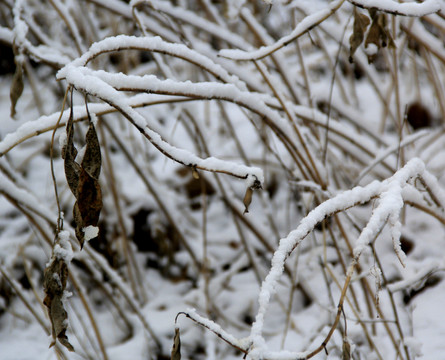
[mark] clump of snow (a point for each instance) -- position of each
(414, 344)
(94, 118)
(81, 154)
(90, 232)
(63, 249)
(62, 140)
(371, 49)
(20, 27)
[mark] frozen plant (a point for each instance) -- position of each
(221, 179)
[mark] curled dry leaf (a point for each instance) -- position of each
(361, 22)
(176, 349)
(54, 283)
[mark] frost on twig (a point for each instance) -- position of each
(240, 344)
(157, 45)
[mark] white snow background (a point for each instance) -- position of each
(197, 105)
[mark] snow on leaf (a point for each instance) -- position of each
(90, 232)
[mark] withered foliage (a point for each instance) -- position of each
(54, 283)
(83, 178)
(378, 34)
(361, 22)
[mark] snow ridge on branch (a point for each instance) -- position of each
(108, 87)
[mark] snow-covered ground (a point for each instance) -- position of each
(271, 179)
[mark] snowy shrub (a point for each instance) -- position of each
(221, 179)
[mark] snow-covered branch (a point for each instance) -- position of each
(302, 28)
(93, 83)
(414, 9)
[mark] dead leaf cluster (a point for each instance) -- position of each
(54, 283)
(378, 35)
(83, 178)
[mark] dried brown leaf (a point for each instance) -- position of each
(89, 204)
(69, 153)
(373, 38)
(176, 349)
(89, 199)
(54, 282)
(79, 224)
(361, 22)
(16, 87)
(378, 34)
(92, 160)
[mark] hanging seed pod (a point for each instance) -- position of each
(195, 173)
(247, 199)
(17, 83)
